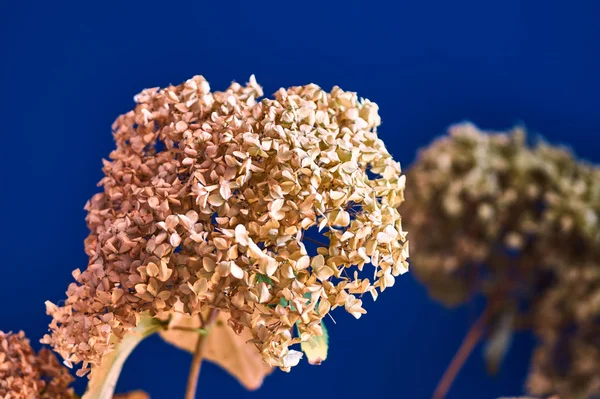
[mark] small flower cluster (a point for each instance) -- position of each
(567, 323)
(491, 215)
(206, 203)
(25, 374)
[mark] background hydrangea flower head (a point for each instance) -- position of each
(25, 374)
(491, 215)
(206, 207)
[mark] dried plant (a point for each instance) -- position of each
(25, 374)
(567, 322)
(520, 225)
(133, 395)
(204, 222)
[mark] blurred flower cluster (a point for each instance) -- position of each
(520, 224)
(206, 204)
(25, 374)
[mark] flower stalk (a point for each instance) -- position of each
(194, 374)
(469, 343)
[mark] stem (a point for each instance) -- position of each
(316, 241)
(464, 351)
(200, 331)
(190, 391)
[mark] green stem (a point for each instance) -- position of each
(200, 331)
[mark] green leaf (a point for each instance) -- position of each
(104, 378)
(284, 302)
(263, 278)
(499, 341)
(316, 347)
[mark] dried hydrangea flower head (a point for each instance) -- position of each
(491, 215)
(206, 203)
(567, 323)
(25, 374)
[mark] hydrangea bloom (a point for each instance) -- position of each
(206, 204)
(490, 215)
(25, 374)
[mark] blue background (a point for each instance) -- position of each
(68, 69)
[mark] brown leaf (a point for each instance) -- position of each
(133, 395)
(224, 348)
